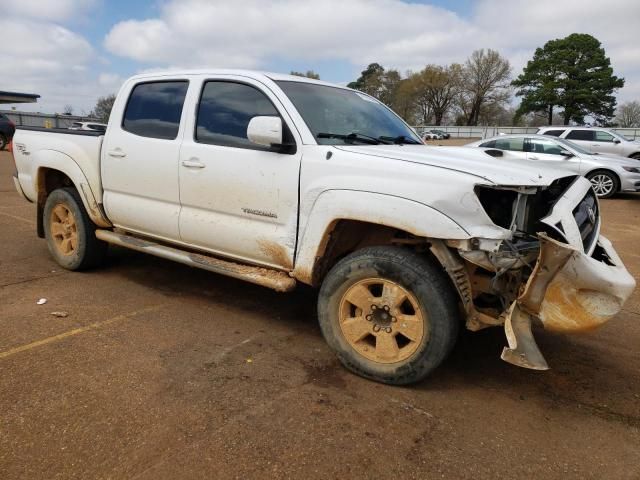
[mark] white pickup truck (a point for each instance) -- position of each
(277, 179)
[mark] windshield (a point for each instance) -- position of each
(338, 116)
(573, 146)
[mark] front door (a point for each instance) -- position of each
(549, 152)
(140, 159)
(238, 199)
(605, 143)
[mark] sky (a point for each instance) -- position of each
(73, 51)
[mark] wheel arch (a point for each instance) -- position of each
(341, 222)
(57, 170)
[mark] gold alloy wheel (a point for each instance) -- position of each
(63, 229)
(381, 320)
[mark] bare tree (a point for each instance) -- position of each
(68, 110)
(485, 80)
(103, 107)
(439, 87)
(628, 115)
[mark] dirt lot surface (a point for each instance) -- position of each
(161, 371)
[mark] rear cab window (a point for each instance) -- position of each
(154, 109)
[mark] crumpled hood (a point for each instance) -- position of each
(472, 161)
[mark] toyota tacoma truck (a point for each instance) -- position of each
(279, 180)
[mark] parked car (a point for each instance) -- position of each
(278, 180)
(608, 174)
(596, 140)
(96, 127)
(442, 133)
(7, 129)
(429, 135)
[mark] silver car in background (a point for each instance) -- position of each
(596, 140)
(608, 174)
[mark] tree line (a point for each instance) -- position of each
(567, 80)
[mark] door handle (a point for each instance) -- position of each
(193, 163)
(116, 153)
(534, 158)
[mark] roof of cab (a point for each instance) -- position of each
(255, 74)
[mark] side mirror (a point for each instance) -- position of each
(566, 153)
(616, 140)
(265, 131)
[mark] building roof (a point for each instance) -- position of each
(17, 97)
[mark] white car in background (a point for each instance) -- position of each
(596, 140)
(431, 136)
(608, 174)
(92, 126)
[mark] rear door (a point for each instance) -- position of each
(140, 158)
(239, 199)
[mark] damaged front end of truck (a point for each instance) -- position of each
(555, 268)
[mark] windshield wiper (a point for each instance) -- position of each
(353, 137)
(400, 140)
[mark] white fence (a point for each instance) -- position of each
(485, 132)
(30, 119)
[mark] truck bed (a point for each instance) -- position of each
(66, 131)
(36, 147)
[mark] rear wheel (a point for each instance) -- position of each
(604, 183)
(389, 314)
(70, 233)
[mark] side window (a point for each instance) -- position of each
(225, 111)
(154, 109)
(544, 146)
(603, 136)
(490, 144)
(554, 133)
(580, 135)
(513, 144)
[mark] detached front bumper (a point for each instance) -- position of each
(568, 291)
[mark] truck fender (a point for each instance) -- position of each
(381, 209)
(63, 163)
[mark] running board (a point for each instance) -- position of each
(275, 279)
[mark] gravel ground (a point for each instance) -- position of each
(161, 371)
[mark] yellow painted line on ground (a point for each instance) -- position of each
(15, 217)
(76, 331)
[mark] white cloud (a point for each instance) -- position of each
(251, 33)
(46, 58)
(54, 10)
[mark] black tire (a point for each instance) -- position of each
(635, 156)
(604, 174)
(89, 252)
(420, 276)
(3, 141)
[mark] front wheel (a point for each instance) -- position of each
(70, 233)
(604, 183)
(390, 314)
